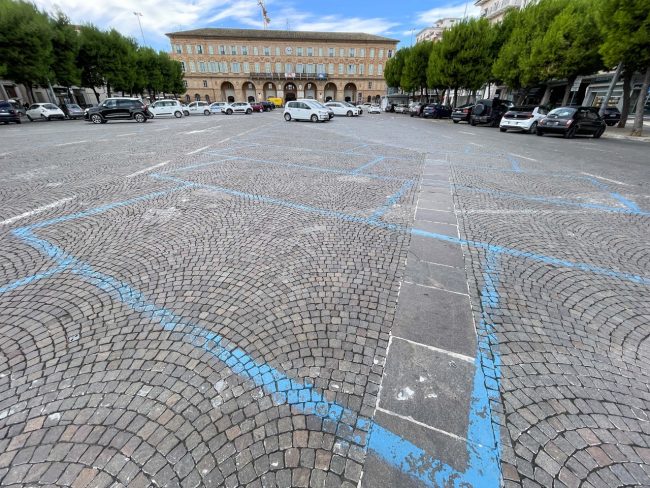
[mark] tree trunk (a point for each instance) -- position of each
(637, 129)
(108, 90)
(30, 89)
(96, 94)
(627, 89)
(455, 96)
(547, 96)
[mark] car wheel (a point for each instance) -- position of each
(502, 129)
(455, 121)
(249, 111)
(533, 128)
(96, 119)
(472, 123)
(178, 114)
(206, 112)
(570, 134)
(314, 118)
(287, 117)
(139, 117)
(30, 119)
(229, 111)
(186, 113)
(349, 114)
(599, 133)
(539, 132)
(19, 121)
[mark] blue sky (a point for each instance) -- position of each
(392, 19)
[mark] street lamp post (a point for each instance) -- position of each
(138, 15)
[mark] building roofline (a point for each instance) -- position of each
(219, 33)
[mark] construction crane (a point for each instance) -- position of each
(265, 14)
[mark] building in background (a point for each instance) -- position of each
(249, 64)
(495, 10)
(434, 33)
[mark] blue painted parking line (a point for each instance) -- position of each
(375, 161)
(514, 163)
(32, 278)
(630, 207)
(483, 470)
(392, 200)
(306, 167)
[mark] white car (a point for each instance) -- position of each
(166, 108)
(305, 110)
(217, 107)
(374, 109)
(523, 119)
(340, 108)
(44, 111)
(237, 108)
(311, 101)
(196, 108)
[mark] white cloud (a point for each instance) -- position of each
(428, 17)
(161, 16)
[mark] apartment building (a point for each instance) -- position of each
(434, 33)
(248, 64)
(495, 10)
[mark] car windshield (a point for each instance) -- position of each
(522, 109)
(50, 106)
(74, 105)
(562, 113)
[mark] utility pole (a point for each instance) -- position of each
(412, 30)
(138, 15)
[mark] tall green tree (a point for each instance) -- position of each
(435, 78)
(569, 48)
(25, 43)
(625, 30)
(172, 74)
(414, 73)
(513, 64)
(466, 55)
(394, 67)
(91, 57)
(65, 49)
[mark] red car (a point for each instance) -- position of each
(257, 106)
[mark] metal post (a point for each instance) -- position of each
(138, 15)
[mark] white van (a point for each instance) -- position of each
(305, 110)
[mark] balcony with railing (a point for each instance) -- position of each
(499, 7)
(288, 76)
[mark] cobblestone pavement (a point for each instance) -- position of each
(238, 301)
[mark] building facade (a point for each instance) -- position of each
(495, 10)
(248, 64)
(434, 33)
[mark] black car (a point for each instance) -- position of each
(8, 113)
(489, 112)
(118, 109)
(416, 109)
(612, 116)
(72, 110)
(436, 111)
(570, 121)
(462, 113)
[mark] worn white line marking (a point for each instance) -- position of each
(435, 222)
(70, 143)
(522, 157)
(479, 145)
(145, 170)
(456, 355)
(436, 288)
(437, 264)
(468, 133)
(4, 154)
(36, 211)
(196, 131)
(127, 134)
(593, 176)
(197, 150)
(421, 424)
(435, 210)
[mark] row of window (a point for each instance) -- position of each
(351, 52)
(236, 67)
(205, 85)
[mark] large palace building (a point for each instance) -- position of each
(246, 64)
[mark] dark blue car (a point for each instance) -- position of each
(436, 111)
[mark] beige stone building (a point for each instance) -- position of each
(495, 10)
(248, 64)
